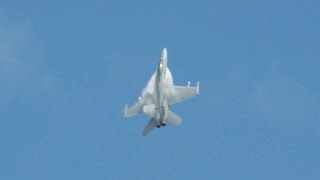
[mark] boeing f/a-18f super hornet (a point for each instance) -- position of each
(157, 97)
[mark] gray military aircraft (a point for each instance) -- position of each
(157, 97)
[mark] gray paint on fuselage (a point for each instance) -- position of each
(159, 89)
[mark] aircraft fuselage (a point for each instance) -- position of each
(161, 84)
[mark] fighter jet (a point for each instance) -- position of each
(157, 97)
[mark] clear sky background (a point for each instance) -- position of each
(68, 67)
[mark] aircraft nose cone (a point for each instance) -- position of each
(164, 52)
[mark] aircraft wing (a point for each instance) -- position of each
(133, 110)
(182, 93)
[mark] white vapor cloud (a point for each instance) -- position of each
(13, 41)
(21, 63)
(167, 87)
(283, 102)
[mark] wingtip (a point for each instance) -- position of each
(124, 111)
(198, 88)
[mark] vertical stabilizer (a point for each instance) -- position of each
(151, 124)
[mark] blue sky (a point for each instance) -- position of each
(67, 68)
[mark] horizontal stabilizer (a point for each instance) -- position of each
(172, 118)
(148, 127)
(149, 109)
